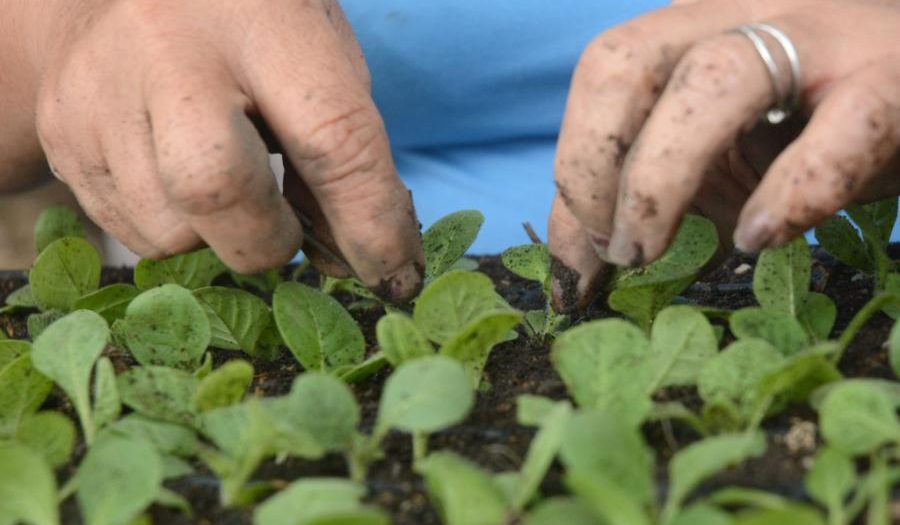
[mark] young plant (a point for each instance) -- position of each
(864, 249)
(319, 501)
(67, 269)
(28, 492)
(532, 262)
(641, 293)
(190, 270)
(239, 320)
(448, 239)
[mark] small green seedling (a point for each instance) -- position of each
(447, 240)
(317, 329)
(319, 501)
(111, 302)
(532, 262)
(66, 353)
(66, 270)
(191, 270)
(239, 320)
(863, 247)
(28, 492)
(641, 293)
(24, 388)
(166, 326)
(55, 223)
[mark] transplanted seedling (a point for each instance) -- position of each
(319, 501)
(532, 262)
(641, 293)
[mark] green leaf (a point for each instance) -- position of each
(159, 392)
(66, 270)
(118, 478)
(400, 339)
(167, 438)
(323, 406)
(555, 511)
(265, 282)
(541, 453)
(841, 240)
(876, 219)
(701, 460)
(608, 501)
(530, 261)
(462, 492)
(110, 301)
(38, 322)
(532, 410)
(318, 501)
(237, 318)
(225, 386)
(12, 349)
(857, 418)
(781, 279)
(472, 345)
(893, 348)
(732, 375)
(50, 434)
(448, 239)
(66, 353)
(681, 342)
(107, 405)
(22, 298)
(796, 377)
(702, 514)
(452, 301)
(27, 487)
(603, 365)
(55, 223)
(362, 371)
(425, 395)
(795, 515)
(191, 270)
(598, 445)
(166, 326)
(817, 316)
(783, 332)
(641, 304)
(22, 391)
(830, 480)
(316, 328)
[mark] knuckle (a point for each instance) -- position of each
(203, 181)
(615, 57)
(713, 67)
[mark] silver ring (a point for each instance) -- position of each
(786, 101)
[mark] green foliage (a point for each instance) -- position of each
(830, 481)
(51, 434)
(238, 320)
(400, 339)
(67, 269)
(27, 487)
(118, 478)
(530, 261)
(783, 332)
(472, 345)
(224, 386)
(66, 353)
(23, 391)
(320, 501)
(107, 404)
(323, 406)
(554, 511)
(166, 326)
(160, 392)
(451, 302)
(857, 418)
(463, 493)
(541, 453)
(641, 293)
(110, 301)
(316, 328)
(781, 279)
(55, 223)
(681, 341)
(447, 240)
(817, 316)
(38, 322)
(191, 270)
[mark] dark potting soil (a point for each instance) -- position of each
(491, 436)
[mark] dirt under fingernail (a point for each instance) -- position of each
(565, 286)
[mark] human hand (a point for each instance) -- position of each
(146, 110)
(663, 117)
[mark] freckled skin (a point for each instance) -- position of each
(689, 103)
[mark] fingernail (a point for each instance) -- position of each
(600, 242)
(403, 286)
(752, 235)
(625, 252)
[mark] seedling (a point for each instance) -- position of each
(191, 270)
(319, 501)
(641, 293)
(532, 262)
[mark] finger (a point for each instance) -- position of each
(318, 242)
(719, 88)
(214, 168)
(129, 152)
(311, 97)
(616, 83)
(853, 135)
(348, 40)
(577, 273)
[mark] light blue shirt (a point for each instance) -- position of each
(473, 93)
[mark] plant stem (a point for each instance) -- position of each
(85, 417)
(859, 320)
(357, 465)
(420, 447)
